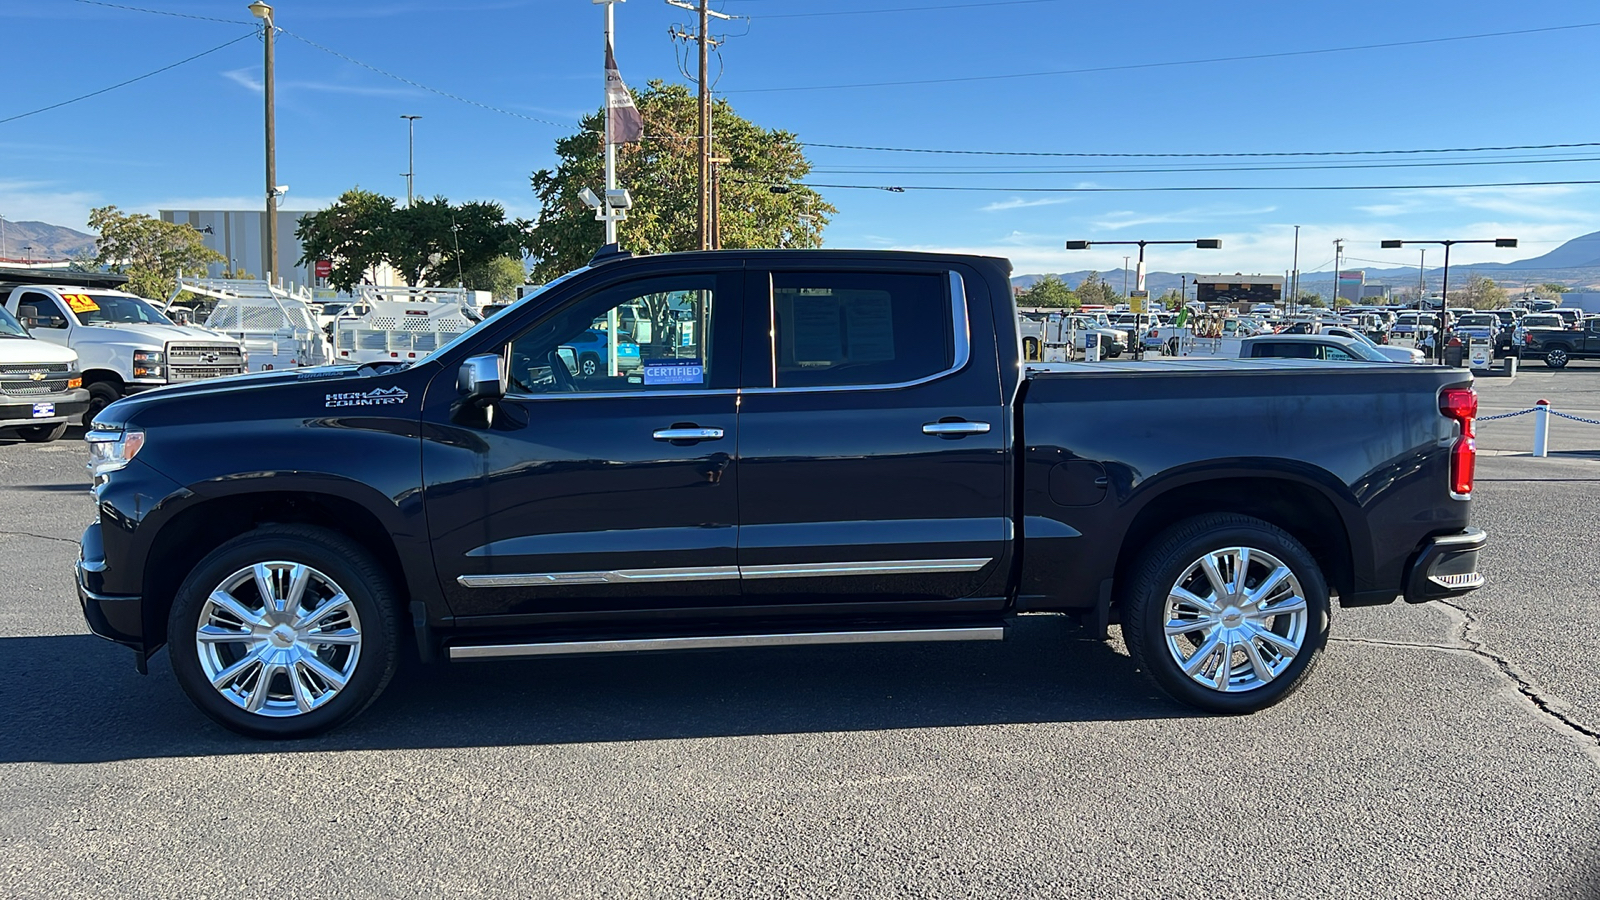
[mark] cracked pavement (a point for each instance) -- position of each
(1436, 752)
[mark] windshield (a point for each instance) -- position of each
(509, 307)
(1541, 321)
(1365, 351)
(9, 326)
(113, 309)
(1475, 321)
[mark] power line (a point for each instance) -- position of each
(1169, 64)
(1196, 155)
(898, 9)
(119, 84)
(1147, 171)
(418, 85)
(162, 12)
(900, 189)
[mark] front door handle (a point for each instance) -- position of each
(944, 429)
(688, 434)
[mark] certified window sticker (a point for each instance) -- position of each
(375, 397)
(674, 371)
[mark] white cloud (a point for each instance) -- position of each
(248, 79)
(1019, 203)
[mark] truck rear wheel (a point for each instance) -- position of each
(1556, 357)
(1227, 613)
(284, 632)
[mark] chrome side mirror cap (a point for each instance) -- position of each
(482, 378)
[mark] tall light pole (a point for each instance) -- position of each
(1444, 290)
(264, 12)
(1422, 277)
(1138, 339)
(411, 154)
(1124, 276)
(2, 237)
(1338, 251)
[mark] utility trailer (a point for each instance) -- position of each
(276, 326)
(401, 323)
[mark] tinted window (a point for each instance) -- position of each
(844, 328)
(662, 328)
(1286, 350)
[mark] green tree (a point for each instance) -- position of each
(432, 242)
(1049, 291)
(1172, 300)
(1483, 293)
(1552, 289)
(152, 253)
(762, 204)
(1311, 298)
(1093, 290)
(500, 276)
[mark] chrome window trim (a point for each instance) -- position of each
(723, 573)
(719, 641)
(963, 348)
(574, 395)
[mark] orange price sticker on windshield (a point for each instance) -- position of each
(80, 303)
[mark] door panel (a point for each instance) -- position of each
(844, 495)
(595, 493)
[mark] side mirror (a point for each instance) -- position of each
(482, 378)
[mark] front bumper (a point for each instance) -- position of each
(1445, 566)
(115, 617)
(64, 407)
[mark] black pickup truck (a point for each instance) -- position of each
(1558, 346)
(781, 447)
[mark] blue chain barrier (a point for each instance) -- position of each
(1520, 412)
(1575, 418)
(1523, 412)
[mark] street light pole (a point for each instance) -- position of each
(1294, 284)
(264, 12)
(1137, 340)
(1444, 290)
(411, 154)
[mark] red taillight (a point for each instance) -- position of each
(1461, 405)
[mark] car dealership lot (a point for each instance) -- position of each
(1409, 765)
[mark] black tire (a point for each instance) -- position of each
(101, 395)
(348, 565)
(1556, 357)
(1169, 558)
(588, 365)
(42, 434)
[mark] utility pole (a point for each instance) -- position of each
(1294, 283)
(411, 154)
(1338, 251)
(1422, 278)
(707, 42)
(1125, 275)
(264, 12)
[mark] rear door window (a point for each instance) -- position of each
(836, 329)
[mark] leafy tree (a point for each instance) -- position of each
(1172, 300)
(1550, 287)
(1310, 298)
(1049, 291)
(1483, 293)
(762, 204)
(431, 242)
(500, 276)
(152, 253)
(1094, 290)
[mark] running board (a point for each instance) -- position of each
(724, 641)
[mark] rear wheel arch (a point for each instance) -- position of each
(193, 533)
(1300, 508)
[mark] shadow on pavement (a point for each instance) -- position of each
(76, 698)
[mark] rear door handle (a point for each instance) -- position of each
(953, 428)
(689, 434)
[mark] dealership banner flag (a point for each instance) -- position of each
(622, 116)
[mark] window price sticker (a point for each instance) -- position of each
(674, 371)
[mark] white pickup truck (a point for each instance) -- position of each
(41, 389)
(124, 345)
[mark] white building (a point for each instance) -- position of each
(241, 237)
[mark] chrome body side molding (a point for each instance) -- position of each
(718, 573)
(709, 642)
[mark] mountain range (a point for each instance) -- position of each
(43, 242)
(1575, 263)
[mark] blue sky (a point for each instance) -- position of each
(191, 137)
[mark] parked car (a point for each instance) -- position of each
(1393, 354)
(848, 451)
(1560, 346)
(1485, 326)
(1570, 315)
(591, 352)
(1413, 328)
(41, 389)
(1311, 346)
(124, 344)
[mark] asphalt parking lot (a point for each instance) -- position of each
(1438, 751)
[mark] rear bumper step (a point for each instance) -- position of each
(723, 641)
(1446, 566)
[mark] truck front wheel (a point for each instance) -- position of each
(1227, 613)
(284, 632)
(1556, 357)
(101, 395)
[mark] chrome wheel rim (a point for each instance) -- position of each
(278, 639)
(1235, 620)
(1558, 356)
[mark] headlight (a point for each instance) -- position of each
(111, 450)
(147, 363)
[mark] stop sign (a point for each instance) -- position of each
(324, 268)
